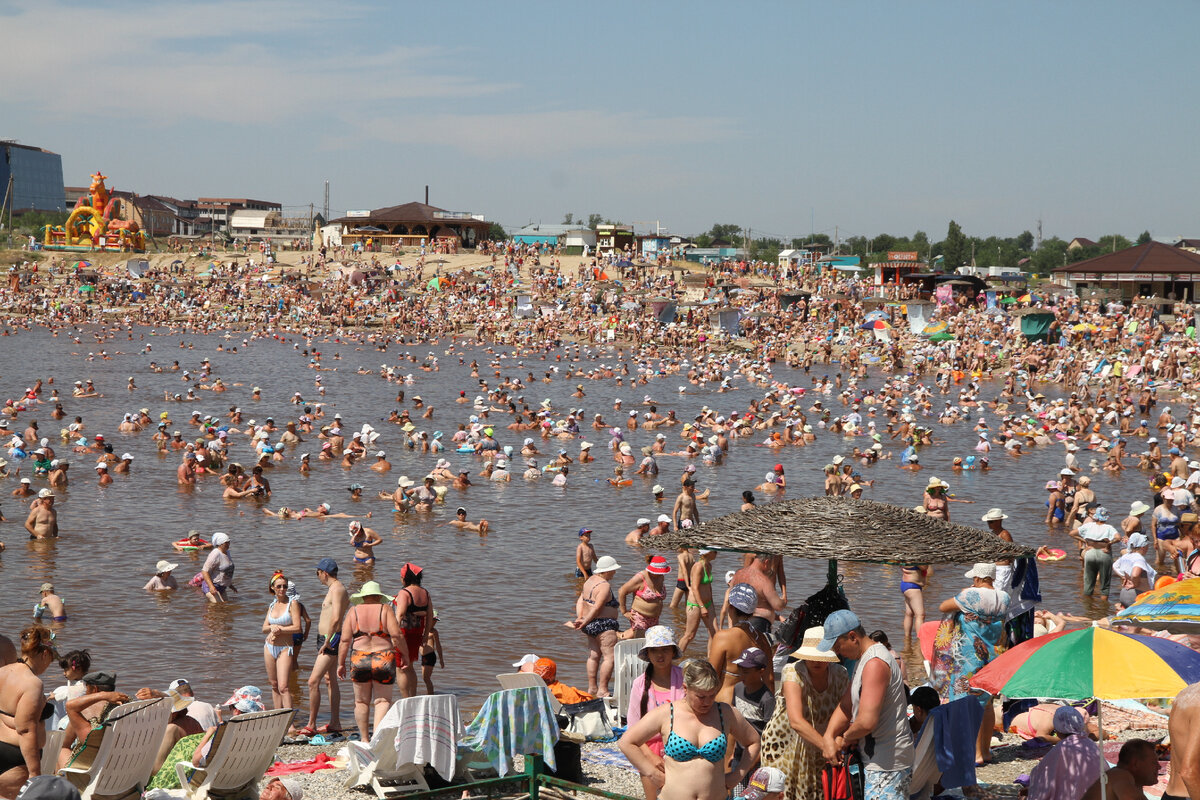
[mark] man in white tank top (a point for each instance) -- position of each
(879, 722)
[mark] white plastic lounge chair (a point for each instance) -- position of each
(415, 731)
(242, 750)
(121, 761)
(626, 667)
(51, 750)
(527, 680)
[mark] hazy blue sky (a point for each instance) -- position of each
(872, 117)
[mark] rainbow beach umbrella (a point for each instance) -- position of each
(1093, 662)
(875, 325)
(935, 327)
(1173, 607)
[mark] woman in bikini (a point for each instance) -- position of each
(371, 638)
(283, 620)
(699, 603)
(596, 616)
(691, 770)
(363, 540)
(22, 707)
(649, 591)
(413, 611)
(913, 579)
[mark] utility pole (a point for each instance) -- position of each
(8, 194)
(1038, 246)
(326, 201)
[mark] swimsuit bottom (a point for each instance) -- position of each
(328, 647)
(905, 586)
(599, 626)
(640, 622)
(378, 666)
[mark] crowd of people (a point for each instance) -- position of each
(884, 398)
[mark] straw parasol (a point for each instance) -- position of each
(843, 529)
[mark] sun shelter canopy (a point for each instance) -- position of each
(844, 529)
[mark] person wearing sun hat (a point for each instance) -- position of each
(995, 521)
(1137, 575)
(596, 617)
(371, 638)
(660, 683)
(649, 590)
(935, 501)
(163, 580)
(981, 611)
(813, 686)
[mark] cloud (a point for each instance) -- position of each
(246, 62)
(549, 134)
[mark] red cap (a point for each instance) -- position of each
(779, 467)
(409, 568)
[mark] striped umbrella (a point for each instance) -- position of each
(1093, 662)
(875, 325)
(935, 327)
(1173, 607)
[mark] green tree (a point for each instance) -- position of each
(496, 232)
(1144, 238)
(1112, 242)
(727, 231)
(1025, 241)
(1052, 254)
(568, 219)
(594, 220)
(956, 247)
(765, 249)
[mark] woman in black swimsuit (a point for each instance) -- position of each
(22, 701)
(596, 615)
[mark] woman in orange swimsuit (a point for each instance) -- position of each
(370, 640)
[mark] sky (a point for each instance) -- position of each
(854, 118)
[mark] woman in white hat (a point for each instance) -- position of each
(791, 742)
(1133, 523)
(979, 614)
(1135, 572)
(662, 682)
(596, 616)
(163, 580)
(935, 502)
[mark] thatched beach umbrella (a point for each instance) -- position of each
(846, 529)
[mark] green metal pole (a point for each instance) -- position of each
(832, 577)
(533, 768)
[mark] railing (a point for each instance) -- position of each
(527, 784)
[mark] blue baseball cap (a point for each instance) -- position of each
(838, 624)
(328, 565)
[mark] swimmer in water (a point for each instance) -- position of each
(460, 522)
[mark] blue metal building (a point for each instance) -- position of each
(37, 177)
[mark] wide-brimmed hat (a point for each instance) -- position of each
(404, 482)
(164, 566)
(606, 564)
(937, 483)
(808, 648)
(658, 636)
(369, 589)
(1137, 508)
(178, 701)
(994, 515)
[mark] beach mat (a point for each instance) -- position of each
(608, 755)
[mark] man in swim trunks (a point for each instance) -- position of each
(329, 632)
(42, 522)
(51, 605)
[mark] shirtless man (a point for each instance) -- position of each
(1137, 767)
(641, 529)
(1184, 729)
(759, 576)
(726, 645)
(995, 522)
(685, 507)
(333, 609)
(460, 521)
(42, 522)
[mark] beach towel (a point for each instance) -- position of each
(608, 755)
(322, 761)
(511, 723)
(427, 729)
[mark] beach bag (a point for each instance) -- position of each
(588, 719)
(844, 781)
(826, 601)
(791, 630)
